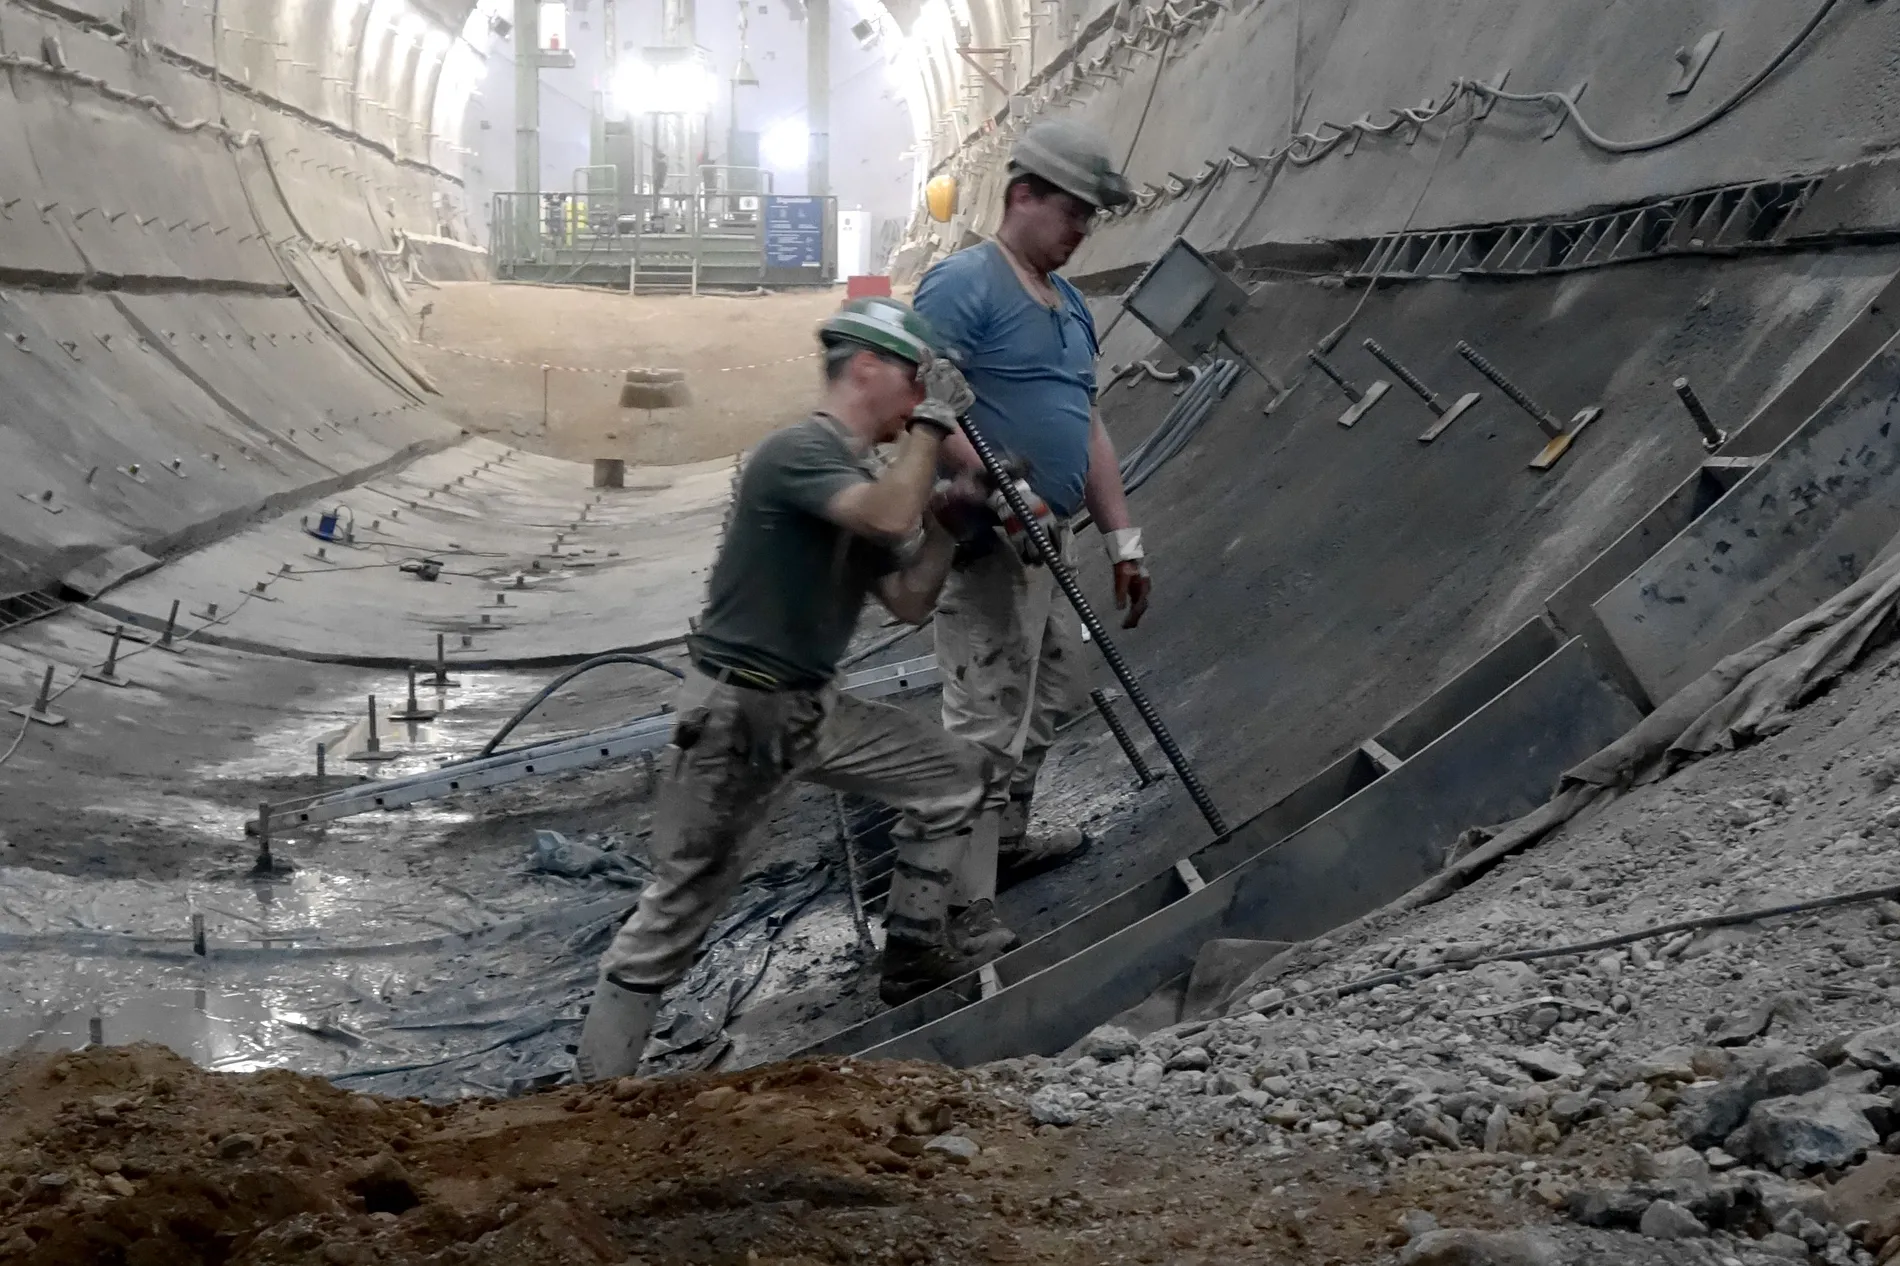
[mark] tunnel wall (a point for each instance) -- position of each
(1251, 76)
(202, 252)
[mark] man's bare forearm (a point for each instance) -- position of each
(958, 455)
(910, 593)
(1102, 491)
(890, 506)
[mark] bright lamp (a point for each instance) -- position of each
(785, 145)
(679, 87)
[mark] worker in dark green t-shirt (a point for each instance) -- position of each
(815, 528)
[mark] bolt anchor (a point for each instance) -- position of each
(1560, 437)
(165, 643)
(1713, 437)
(1143, 775)
(108, 672)
(1362, 401)
(1445, 416)
(373, 749)
(412, 711)
(442, 679)
(40, 709)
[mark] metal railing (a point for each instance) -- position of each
(719, 238)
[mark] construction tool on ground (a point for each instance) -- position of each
(332, 527)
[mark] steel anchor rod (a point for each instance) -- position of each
(1117, 665)
(1546, 421)
(1713, 437)
(1407, 377)
(1339, 380)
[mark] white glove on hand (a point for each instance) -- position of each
(936, 415)
(1013, 528)
(943, 382)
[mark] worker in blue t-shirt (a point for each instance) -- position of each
(1009, 648)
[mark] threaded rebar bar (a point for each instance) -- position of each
(1407, 377)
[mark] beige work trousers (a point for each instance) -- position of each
(1009, 647)
(735, 750)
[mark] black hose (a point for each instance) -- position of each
(1019, 507)
(611, 657)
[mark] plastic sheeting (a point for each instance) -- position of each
(436, 991)
(1749, 695)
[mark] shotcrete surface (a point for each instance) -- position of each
(1313, 582)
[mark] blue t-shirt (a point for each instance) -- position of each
(1032, 367)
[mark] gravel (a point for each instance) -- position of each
(1704, 1076)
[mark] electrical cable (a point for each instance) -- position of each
(1161, 64)
(1887, 893)
(1183, 421)
(598, 661)
(1306, 148)
(1331, 340)
(1728, 104)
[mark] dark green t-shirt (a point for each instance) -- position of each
(788, 585)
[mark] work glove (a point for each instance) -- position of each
(1013, 528)
(943, 382)
(936, 416)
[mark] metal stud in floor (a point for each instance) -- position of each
(1713, 437)
(373, 749)
(40, 709)
(108, 672)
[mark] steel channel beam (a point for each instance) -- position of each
(583, 751)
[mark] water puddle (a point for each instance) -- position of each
(398, 955)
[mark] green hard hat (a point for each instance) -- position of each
(884, 325)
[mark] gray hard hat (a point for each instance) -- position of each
(1074, 158)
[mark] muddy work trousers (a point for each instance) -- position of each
(1009, 647)
(735, 749)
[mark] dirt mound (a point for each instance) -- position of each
(131, 1156)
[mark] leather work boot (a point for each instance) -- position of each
(911, 970)
(1020, 856)
(977, 929)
